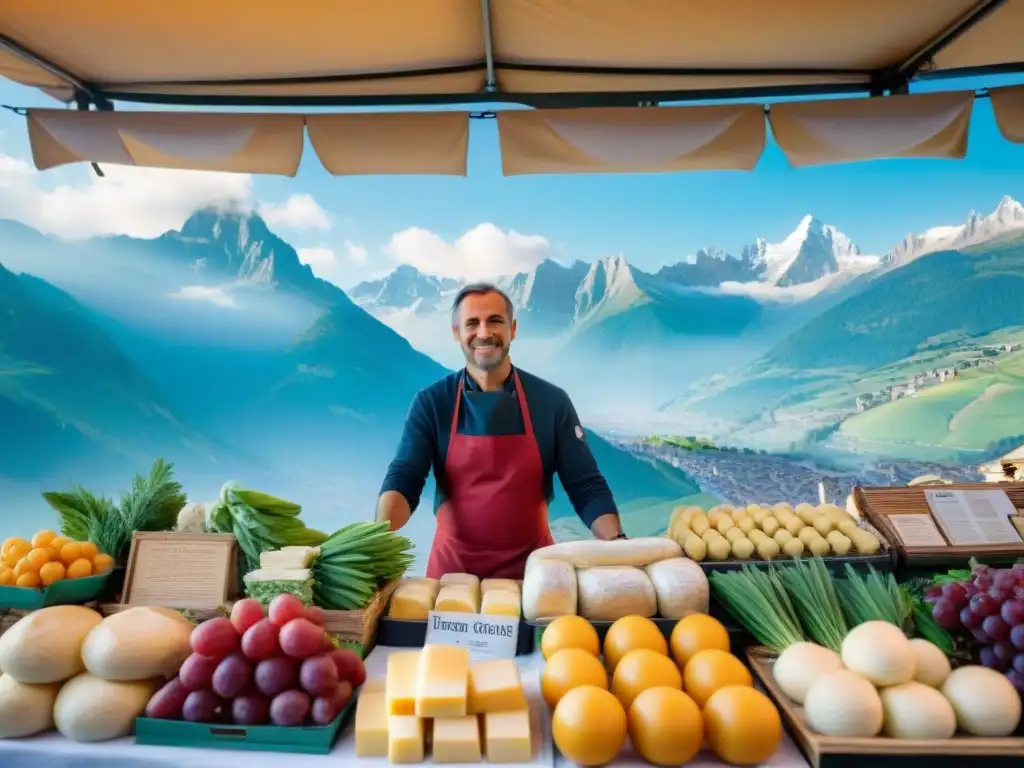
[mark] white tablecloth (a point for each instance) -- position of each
(53, 751)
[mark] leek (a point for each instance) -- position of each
(812, 587)
(760, 604)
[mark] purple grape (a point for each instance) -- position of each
(955, 593)
(1018, 663)
(987, 657)
(1013, 612)
(980, 635)
(971, 591)
(996, 628)
(1005, 653)
(969, 619)
(1017, 637)
(946, 614)
(933, 593)
(1017, 678)
(999, 594)
(1004, 579)
(983, 605)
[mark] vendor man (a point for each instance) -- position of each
(494, 437)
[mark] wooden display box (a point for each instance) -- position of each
(882, 752)
(878, 505)
(360, 626)
(193, 571)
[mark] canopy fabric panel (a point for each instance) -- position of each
(389, 143)
(240, 143)
(1008, 105)
(848, 130)
(631, 140)
(196, 51)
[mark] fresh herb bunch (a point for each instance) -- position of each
(758, 601)
(814, 592)
(152, 504)
(355, 560)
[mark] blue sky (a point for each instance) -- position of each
(652, 219)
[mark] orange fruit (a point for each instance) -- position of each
(79, 568)
(569, 632)
(70, 552)
(6, 576)
(697, 632)
(28, 579)
(59, 542)
(89, 550)
(14, 550)
(37, 558)
(589, 726)
(102, 563)
(50, 573)
(22, 567)
(642, 669)
(710, 670)
(742, 725)
(43, 538)
(568, 669)
(53, 553)
(629, 633)
(665, 726)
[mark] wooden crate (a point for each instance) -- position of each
(360, 626)
(839, 752)
(877, 504)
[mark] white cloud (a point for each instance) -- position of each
(329, 266)
(486, 251)
(355, 253)
(211, 295)
(299, 212)
(142, 202)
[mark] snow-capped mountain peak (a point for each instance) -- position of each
(1007, 219)
(609, 282)
(811, 251)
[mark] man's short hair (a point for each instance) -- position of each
(479, 289)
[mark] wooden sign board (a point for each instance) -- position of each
(196, 571)
(957, 521)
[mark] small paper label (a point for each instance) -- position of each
(492, 637)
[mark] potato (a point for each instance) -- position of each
(711, 535)
(807, 535)
(760, 516)
(724, 523)
(734, 533)
(839, 543)
(695, 548)
(719, 549)
(794, 526)
(823, 525)
(808, 514)
(847, 526)
(865, 542)
(784, 517)
(770, 525)
(746, 524)
(757, 536)
(793, 548)
(677, 513)
(782, 537)
(782, 507)
(767, 549)
(742, 548)
(699, 524)
(752, 508)
(817, 546)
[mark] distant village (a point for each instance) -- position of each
(935, 376)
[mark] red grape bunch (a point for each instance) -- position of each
(252, 669)
(989, 606)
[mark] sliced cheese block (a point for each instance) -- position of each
(371, 725)
(400, 685)
(457, 598)
(594, 552)
(549, 589)
(466, 579)
(500, 602)
(405, 739)
(442, 681)
(412, 601)
(681, 587)
(508, 737)
(495, 686)
(508, 585)
(611, 592)
(457, 740)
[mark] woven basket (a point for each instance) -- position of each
(361, 626)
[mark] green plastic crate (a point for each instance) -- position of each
(312, 740)
(66, 592)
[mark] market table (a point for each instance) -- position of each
(53, 751)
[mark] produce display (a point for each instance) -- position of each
(285, 570)
(355, 561)
(986, 608)
(669, 697)
(68, 668)
(152, 504)
(256, 669)
(763, 532)
(470, 711)
(47, 558)
(607, 580)
(414, 598)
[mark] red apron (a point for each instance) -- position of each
(495, 513)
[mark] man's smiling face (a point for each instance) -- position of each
(484, 331)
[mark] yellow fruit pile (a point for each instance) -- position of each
(669, 697)
(49, 558)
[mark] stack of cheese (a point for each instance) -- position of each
(415, 598)
(606, 580)
(466, 710)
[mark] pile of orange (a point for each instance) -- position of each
(670, 697)
(49, 558)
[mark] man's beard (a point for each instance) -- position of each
(489, 364)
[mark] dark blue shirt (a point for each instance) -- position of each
(560, 438)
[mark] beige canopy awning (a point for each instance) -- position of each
(616, 58)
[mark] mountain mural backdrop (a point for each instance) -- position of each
(742, 377)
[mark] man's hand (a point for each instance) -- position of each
(607, 527)
(393, 507)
